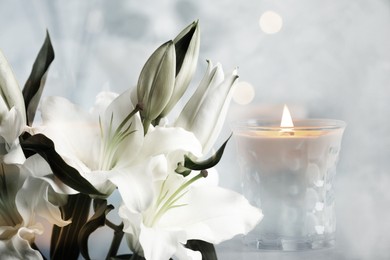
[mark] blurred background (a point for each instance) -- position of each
(326, 59)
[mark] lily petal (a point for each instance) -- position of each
(166, 139)
(32, 199)
(75, 132)
(11, 125)
(213, 77)
(135, 183)
(183, 253)
(209, 210)
(156, 244)
(159, 244)
(37, 167)
(18, 246)
(100, 180)
(102, 101)
(227, 88)
(118, 110)
(205, 112)
(131, 223)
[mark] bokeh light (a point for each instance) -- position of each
(270, 22)
(244, 93)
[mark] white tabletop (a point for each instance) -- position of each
(236, 250)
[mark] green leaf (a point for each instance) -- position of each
(64, 244)
(206, 249)
(43, 146)
(208, 163)
(33, 88)
(97, 220)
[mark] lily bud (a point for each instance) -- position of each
(10, 93)
(205, 112)
(187, 51)
(156, 82)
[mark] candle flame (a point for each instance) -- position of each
(286, 118)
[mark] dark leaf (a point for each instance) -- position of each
(70, 176)
(97, 220)
(208, 163)
(206, 249)
(64, 244)
(33, 88)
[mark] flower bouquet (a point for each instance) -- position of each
(64, 167)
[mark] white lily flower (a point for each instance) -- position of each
(15, 236)
(24, 199)
(205, 112)
(152, 165)
(95, 144)
(175, 210)
(106, 161)
(181, 211)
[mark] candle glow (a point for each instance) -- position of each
(286, 118)
(286, 124)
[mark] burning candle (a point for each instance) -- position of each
(287, 170)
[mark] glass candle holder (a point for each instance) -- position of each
(289, 173)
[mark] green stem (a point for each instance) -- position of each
(64, 245)
(116, 240)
